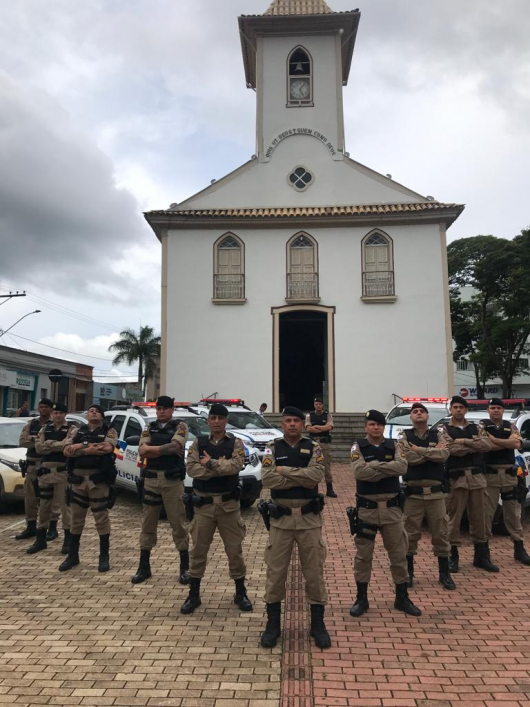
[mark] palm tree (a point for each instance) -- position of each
(143, 347)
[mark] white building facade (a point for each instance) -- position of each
(303, 272)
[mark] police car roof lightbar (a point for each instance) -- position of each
(425, 400)
(223, 401)
(153, 405)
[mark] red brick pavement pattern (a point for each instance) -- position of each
(470, 645)
(83, 638)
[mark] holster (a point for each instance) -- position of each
(113, 496)
(23, 464)
(521, 489)
(188, 506)
(263, 510)
(42, 471)
(140, 488)
(351, 512)
(36, 487)
(68, 496)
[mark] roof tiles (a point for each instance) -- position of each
(299, 7)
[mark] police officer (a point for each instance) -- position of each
(426, 451)
(52, 477)
(162, 445)
(501, 476)
(465, 469)
(214, 463)
(92, 473)
(293, 470)
(31, 500)
(319, 424)
(377, 464)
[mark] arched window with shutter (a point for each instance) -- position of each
(302, 268)
(378, 265)
(299, 78)
(229, 269)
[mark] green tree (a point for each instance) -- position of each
(143, 347)
(491, 328)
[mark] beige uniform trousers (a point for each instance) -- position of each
(226, 518)
(168, 492)
(511, 510)
(432, 507)
(85, 495)
(52, 489)
(475, 501)
(390, 522)
(326, 453)
(31, 500)
(312, 553)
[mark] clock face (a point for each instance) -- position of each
(300, 89)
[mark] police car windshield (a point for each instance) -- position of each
(401, 415)
(243, 420)
(9, 434)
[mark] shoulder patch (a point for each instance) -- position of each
(145, 433)
(267, 461)
(112, 433)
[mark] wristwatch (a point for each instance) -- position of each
(85, 444)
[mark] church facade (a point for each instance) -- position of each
(303, 272)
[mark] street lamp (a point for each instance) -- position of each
(4, 331)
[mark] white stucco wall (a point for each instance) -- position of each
(380, 349)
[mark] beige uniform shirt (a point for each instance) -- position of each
(216, 467)
(377, 470)
(329, 421)
(502, 478)
(416, 457)
(180, 436)
(288, 477)
(28, 440)
(479, 443)
(49, 446)
(111, 437)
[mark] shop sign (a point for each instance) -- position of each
(105, 391)
(7, 378)
(23, 382)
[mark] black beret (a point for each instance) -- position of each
(496, 401)
(318, 400)
(375, 416)
(459, 399)
(415, 406)
(291, 411)
(60, 407)
(98, 408)
(46, 401)
(164, 401)
(218, 409)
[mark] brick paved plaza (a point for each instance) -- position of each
(82, 638)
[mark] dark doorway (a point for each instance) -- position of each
(303, 357)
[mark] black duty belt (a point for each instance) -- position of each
(151, 474)
(95, 478)
(510, 495)
(457, 473)
(315, 506)
(510, 470)
(423, 490)
(43, 470)
(199, 501)
(367, 503)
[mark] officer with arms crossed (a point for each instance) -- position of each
(52, 477)
(293, 470)
(163, 445)
(214, 463)
(28, 437)
(465, 469)
(319, 424)
(377, 464)
(92, 474)
(426, 451)
(501, 476)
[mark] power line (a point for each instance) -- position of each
(56, 348)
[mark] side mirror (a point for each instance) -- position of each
(133, 441)
(526, 445)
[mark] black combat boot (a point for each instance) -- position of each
(410, 565)
(144, 568)
(330, 493)
(29, 531)
(72, 559)
(104, 547)
(273, 629)
(361, 605)
(194, 597)
(184, 577)
(241, 597)
(453, 560)
(40, 542)
(444, 577)
(66, 542)
(52, 533)
(482, 558)
(318, 628)
(519, 553)
(403, 602)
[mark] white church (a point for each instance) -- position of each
(325, 277)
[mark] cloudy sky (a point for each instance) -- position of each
(109, 108)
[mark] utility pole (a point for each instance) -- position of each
(11, 295)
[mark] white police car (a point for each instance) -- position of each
(398, 419)
(129, 425)
(252, 428)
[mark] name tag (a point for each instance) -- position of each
(388, 456)
(305, 451)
